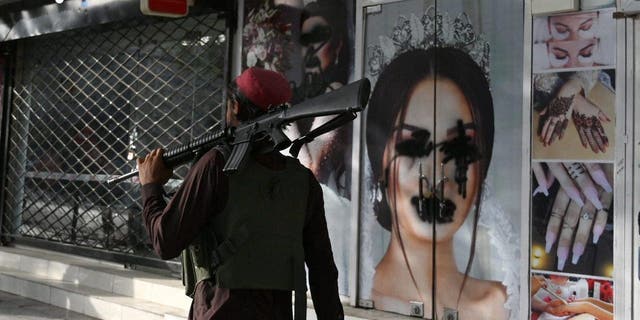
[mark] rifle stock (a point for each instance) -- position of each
(349, 98)
(344, 102)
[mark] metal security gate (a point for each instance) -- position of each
(86, 103)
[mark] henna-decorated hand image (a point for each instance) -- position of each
(556, 119)
(584, 100)
(588, 119)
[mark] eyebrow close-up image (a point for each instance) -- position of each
(574, 26)
(575, 41)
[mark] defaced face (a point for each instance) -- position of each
(573, 27)
(572, 54)
(326, 53)
(403, 179)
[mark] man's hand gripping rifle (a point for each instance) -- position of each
(267, 129)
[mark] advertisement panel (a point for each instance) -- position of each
(573, 145)
(311, 43)
(440, 210)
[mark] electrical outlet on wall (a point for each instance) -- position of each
(450, 314)
(417, 309)
(554, 6)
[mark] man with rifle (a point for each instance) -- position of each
(246, 236)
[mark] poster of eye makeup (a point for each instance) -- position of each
(559, 296)
(311, 42)
(429, 160)
(575, 41)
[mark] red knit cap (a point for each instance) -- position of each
(265, 88)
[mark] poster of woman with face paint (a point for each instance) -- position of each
(429, 142)
(326, 66)
(574, 41)
(311, 43)
(325, 37)
(466, 127)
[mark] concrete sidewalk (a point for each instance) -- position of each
(14, 307)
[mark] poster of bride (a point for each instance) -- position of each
(441, 152)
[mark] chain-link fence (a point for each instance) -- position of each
(86, 103)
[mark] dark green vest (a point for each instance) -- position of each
(258, 236)
(271, 206)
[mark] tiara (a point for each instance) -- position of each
(426, 32)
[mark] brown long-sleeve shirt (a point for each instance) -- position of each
(202, 195)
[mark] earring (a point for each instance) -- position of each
(378, 189)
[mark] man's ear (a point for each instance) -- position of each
(235, 108)
(231, 114)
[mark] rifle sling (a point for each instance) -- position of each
(332, 124)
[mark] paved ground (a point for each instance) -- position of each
(14, 307)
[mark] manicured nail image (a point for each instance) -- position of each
(550, 179)
(578, 250)
(592, 195)
(550, 238)
(541, 189)
(597, 232)
(563, 253)
(574, 194)
(541, 178)
(601, 179)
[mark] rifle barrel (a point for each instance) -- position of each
(122, 177)
(183, 153)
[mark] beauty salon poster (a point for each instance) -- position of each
(462, 127)
(1, 83)
(573, 150)
(576, 41)
(553, 292)
(311, 43)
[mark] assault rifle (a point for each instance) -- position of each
(267, 129)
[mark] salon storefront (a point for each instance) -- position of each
(492, 175)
